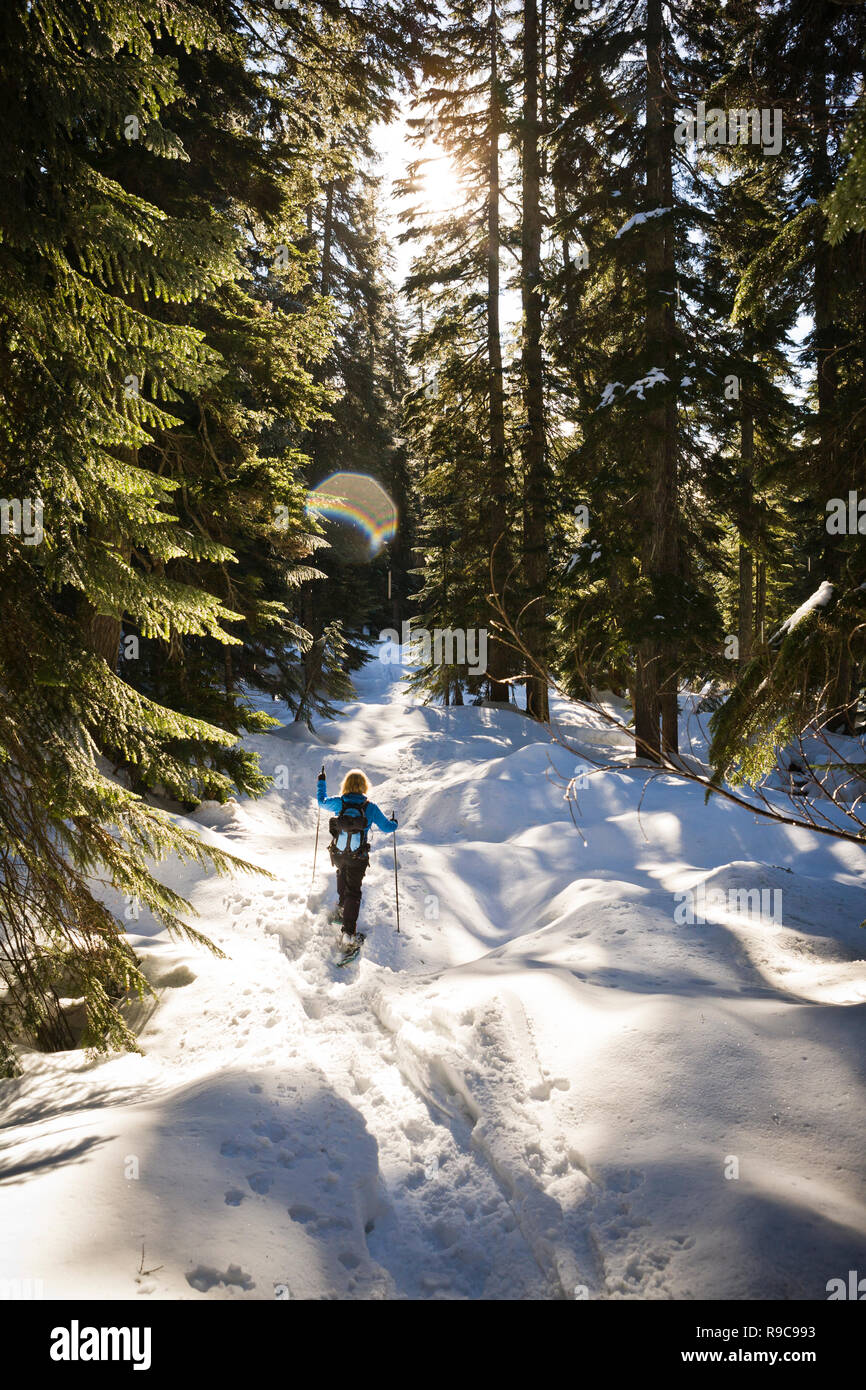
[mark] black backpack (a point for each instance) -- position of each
(351, 820)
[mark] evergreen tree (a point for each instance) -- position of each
(808, 60)
(465, 463)
(636, 352)
(84, 258)
(243, 179)
(536, 490)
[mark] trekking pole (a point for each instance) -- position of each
(316, 850)
(396, 881)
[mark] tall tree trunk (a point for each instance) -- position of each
(327, 237)
(760, 600)
(497, 519)
(745, 620)
(656, 681)
(544, 92)
(829, 480)
(560, 187)
(310, 657)
(306, 603)
(534, 448)
(746, 558)
(645, 702)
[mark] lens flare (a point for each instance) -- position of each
(359, 501)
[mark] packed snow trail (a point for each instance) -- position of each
(543, 1087)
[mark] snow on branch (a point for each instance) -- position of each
(654, 377)
(638, 218)
(819, 599)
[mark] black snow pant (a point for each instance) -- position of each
(350, 876)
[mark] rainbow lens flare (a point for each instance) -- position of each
(356, 500)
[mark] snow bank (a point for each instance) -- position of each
(550, 1084)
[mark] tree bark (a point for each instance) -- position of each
(102, 630)
(760, 601)
(327, 237)
(102, 634)
(745, 602)
(497, 521)
(656, 680)
(829, 481)
(534, 448)
(746, 559)
(645, 702)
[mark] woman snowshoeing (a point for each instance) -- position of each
(353, 818)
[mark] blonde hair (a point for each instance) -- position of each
(355, 781)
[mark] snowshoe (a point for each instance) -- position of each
(350, 947)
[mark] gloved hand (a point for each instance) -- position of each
(322, 773)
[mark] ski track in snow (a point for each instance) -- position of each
(531, 1092)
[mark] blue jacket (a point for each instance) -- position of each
(372, 813)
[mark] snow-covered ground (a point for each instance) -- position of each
(546, 1086)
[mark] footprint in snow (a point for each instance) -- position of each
(302, 1214)
(203, 1278)
(272, 1130)
(623, 1179)
(233, 1148)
